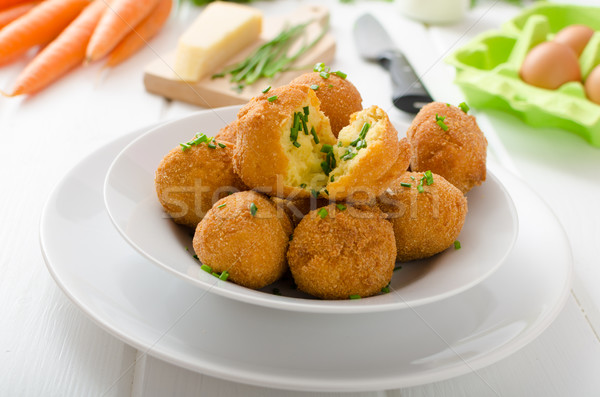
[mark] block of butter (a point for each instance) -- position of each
(219, 32)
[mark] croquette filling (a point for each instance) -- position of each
(315, 158)
(353, 140)
(303, 137)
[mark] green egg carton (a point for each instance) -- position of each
(487, 70)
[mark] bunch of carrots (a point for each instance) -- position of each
(72, 33)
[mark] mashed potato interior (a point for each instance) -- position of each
(304, 154)
(349, 149)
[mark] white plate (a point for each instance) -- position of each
(487, 237)
(173, 320)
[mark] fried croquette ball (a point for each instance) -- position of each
(189, 180)
(448, 142)
(425, 223)
(228, 133)
(279, 141)
(368, 157)
(339, 97)
(244, 235)
(338, 252)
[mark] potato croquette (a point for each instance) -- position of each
(339, 97)
(337, 253)
(425, 223)
(279, 141)
(244, 235)
(368, 157)
(189, 180)
(228, 133)
(448, 142)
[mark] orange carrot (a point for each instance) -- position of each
(141, 34)
(38, 26)
(118, 20)
(7, 15)
(62, 54)
(9, 3)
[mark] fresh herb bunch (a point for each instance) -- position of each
(272, 57)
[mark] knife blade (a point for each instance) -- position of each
(374, 44)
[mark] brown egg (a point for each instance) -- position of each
(575, 36)
(550, 65)
(592, 85)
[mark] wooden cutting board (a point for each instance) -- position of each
(159, 77)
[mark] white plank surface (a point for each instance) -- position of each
(48, 347)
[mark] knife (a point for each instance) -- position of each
(374, 44)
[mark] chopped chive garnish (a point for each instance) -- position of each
(217, 75)
(330, 85)
(326, 191)
(253, 209)
(314, 134)
(326, 148)
(457, 245)
(306, 111)
(314, 193)
(420, 188)
(440, 121)
(340, 74)
(296, 144)
(184, 146)
(212, 145)
(325, 75)
(266, 90)
(464, 107)
(314, 87)
(323, 212)
(325, 167)
(224, 276)
(319, 67)
(304, 127)
(354, 296)
(222, 205)
(294, 134)
(238, 88)
(303, 185)
(447, 104)
(341, 207)
(272, 98)
(397, 268)
(361, 137)
(222, 145)
(215, 274)
(276, 291)
(412, 177)
(198, 139)
(386, 289)
(206, 268)
(348, 155)
(195, 256)
(331, 179)
(428, 176)
(404, 184)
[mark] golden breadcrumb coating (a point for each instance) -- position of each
(189, 181)
(342, 253)
(424, 223)
(364, 173)
(339, 97)
(458, 154)
(265, 157)
(250, 247)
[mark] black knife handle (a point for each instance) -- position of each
(409, 94)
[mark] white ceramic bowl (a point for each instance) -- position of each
(487, 237)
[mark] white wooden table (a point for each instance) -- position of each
(48, 347)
